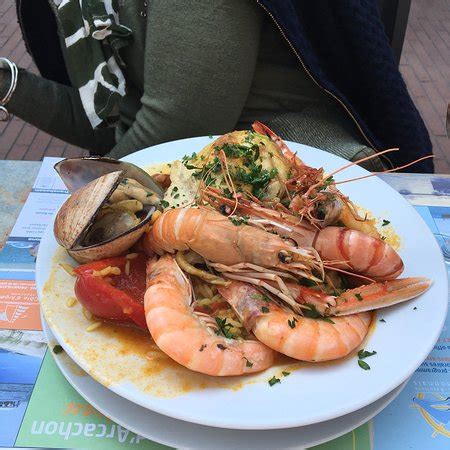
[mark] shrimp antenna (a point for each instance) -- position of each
(353, 163)
(386, 171)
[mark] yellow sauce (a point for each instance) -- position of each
(116, 354)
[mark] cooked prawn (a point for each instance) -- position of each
(363, 298)
(187, 337)
(217, 239)
(299, 337)
(339, 247)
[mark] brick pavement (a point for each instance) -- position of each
(425, 65)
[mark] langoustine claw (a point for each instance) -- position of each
(363, 298)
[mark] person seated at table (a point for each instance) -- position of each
(319, 73)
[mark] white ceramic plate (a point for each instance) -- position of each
(316, 392)
(181, 434)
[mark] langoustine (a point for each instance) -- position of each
(217, 239)
(339, 247)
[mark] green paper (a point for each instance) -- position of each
(58, 417)
(358, 439)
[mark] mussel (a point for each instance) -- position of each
(105, 217)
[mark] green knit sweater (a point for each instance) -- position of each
(195, 68)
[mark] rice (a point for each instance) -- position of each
(94, 326)
(71, 302)
(87, 314)
(68, 268)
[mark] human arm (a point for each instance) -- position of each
(55, 109)
(199, 63)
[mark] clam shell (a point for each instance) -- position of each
(78, 213)
(115, 247)
(77, 172)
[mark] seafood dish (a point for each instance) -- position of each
(230, 256)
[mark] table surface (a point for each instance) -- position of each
(18, 178)
(419, 189)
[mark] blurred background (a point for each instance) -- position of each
(419, 32)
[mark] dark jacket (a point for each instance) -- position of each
(343, 46)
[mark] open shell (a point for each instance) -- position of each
(78, 213)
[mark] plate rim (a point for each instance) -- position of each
(65, 372)
(167, 410)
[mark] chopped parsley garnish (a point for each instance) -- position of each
(248, 363)
(264, 309)
(176, 195)
(249, 152)
(164, 204)
(292, 323)
(363, 365)
(382, 320)
(149, 194)
(285, 374)
(274, 380)
(359, 297)
(385, 222)
(227, 193)
(175, 189)
(236, 220)
(224, 327)
(57, 349)
(326, 183)
(186, 158)
(261, 297)
(190, 167)
(306, 282)
(312, 313)
(257, 177)
(362, 354)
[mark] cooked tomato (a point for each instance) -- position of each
(123, 300)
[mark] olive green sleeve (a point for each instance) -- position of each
(57, 110)
(199, 64)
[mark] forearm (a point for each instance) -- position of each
(55, 109)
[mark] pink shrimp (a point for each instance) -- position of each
(187, 338)
(299, 337)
